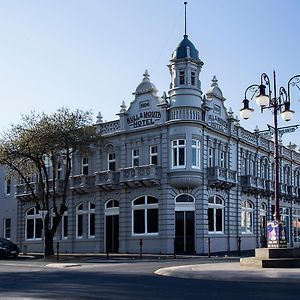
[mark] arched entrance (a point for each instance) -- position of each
(185, 224)
(112, 226)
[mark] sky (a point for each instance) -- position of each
(91, 54)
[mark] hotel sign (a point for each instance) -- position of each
(144, 118)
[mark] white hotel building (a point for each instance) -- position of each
(172, 171)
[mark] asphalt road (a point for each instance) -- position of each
(92, 279)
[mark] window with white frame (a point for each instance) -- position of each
(65, 225)
(7, 228)
(215, 214)
(33, 225)
(181, 77)
(145, 216)
(243, 165)
(79, 220)
(196, 153)
(135, 157)
(111, 161)
(91, 218)
(264, 169)
(247, 217)
(7, 186)
(178, 153)
(85, 166)
(296, 225)
(297, 178)
(222, 159)
(210, 157)
(59, 170)
(252, 167)
(153, 155)
(193, 78)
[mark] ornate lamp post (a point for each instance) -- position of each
(278, 104)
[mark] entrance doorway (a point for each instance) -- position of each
(184, 224)
(112, 226)
(185, 232)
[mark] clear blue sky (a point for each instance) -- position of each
(91, 54)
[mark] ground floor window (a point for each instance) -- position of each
(34, 225)
(215, 214)
(79, 220)
(91, 218)
(65, 220)
(247, 217)
(7, 228)
(296, 225)
(145, 215)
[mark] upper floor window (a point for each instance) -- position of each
(145, 215)
(111, 161)
(287, 176)
(135, 157)
(297, 178)
(264, 169)
(243, 166)
(153, 155)
(195, 153)
(210, 157)
(222, 159)
(59, 170)
(34, 225)
(215, 215)
(193, 78)
(178, 153)
(181, 77)
(7, 186)
(247, 217)
(85, 166)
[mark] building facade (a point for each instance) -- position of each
(171, 172)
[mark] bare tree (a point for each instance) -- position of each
(31, 152)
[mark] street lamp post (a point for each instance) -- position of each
(278, 104)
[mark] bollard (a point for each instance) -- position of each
(174, 254)
(141, 248)
(208, 241)
(239, 246)
(57, 251)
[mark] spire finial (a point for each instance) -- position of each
(185, 3)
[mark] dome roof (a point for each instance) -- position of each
(186, 49)
(145, 86)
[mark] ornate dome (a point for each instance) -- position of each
(186, 49)
(145, 86)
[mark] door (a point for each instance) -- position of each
(184, 232)
(112, 234)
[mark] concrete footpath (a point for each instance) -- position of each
(232, 271)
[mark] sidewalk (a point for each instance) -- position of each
(232, 271)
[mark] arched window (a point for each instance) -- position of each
(184, 198)
(79, 220)
(91, 218)
(215, 214)
(297, 178)
(247, 217)
(112, 208)
(34, 224)
(145, 216)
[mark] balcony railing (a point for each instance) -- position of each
(107, 180)
(23, 190)
(82, 183)
(221, 177)
(148, 175)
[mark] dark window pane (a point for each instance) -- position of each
(30, 211)
(79, 225)
(151, 200)
(154, 160)
(109, 203)
(184, 198)
(219, 220)
(29, 229)
(181, 157)
(92, 224)
(80, 207)
(38, 228)
(92, 206)
(139, 221)
(152, 220)
(116, 203)
(112, 166)
(210, 213)
(85, 170)
(139, 201)
(174, 157)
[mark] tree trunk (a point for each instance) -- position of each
(48, 244)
